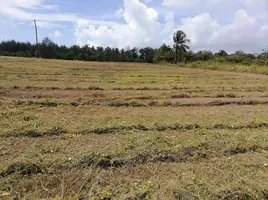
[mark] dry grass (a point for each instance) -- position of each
(213, 65)
(85, 130)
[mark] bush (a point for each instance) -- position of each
(260, 62)
(235, 59)
(196, 64)
(221, 59)
(247, 62)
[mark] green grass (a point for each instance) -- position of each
(86, 130)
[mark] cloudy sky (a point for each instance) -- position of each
(210, 24)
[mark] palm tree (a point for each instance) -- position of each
(180, 45)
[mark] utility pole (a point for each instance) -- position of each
(36, 38)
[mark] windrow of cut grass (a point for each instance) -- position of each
(40, 119)
(57, 131)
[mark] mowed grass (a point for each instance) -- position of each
(86, 130)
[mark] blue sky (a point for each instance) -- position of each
(210, 24)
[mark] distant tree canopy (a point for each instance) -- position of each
(180, 44)
(179, 52)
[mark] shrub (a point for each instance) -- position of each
(196, 64)
(221, 59)
(247, 62)
(260, 62)
(235, 59)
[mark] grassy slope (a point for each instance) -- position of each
(228, 67)
(131, 131)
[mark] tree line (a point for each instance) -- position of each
(179, 52)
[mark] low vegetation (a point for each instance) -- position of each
(91, 130)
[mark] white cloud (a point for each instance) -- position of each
(50, 7)
(29, 4)
(168, 27)
(15, 9)
(48, 25)
(179, 3)
(57, 34)
(243, 33)
(19, 14)
(141, 28)
(192, 3)
(213, 29)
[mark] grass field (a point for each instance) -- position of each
(85, 130)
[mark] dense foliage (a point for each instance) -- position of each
(48, 49)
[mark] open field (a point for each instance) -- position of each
(86, 130)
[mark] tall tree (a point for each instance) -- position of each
(48, 48)
(180, 44)
(221, 53)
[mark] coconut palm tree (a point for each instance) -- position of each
(180, 44)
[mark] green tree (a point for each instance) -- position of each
(48, 48)
(147, 54)
(221, 53)
(264, 54)
(205, 55)
(180, 44)
(164, 54)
